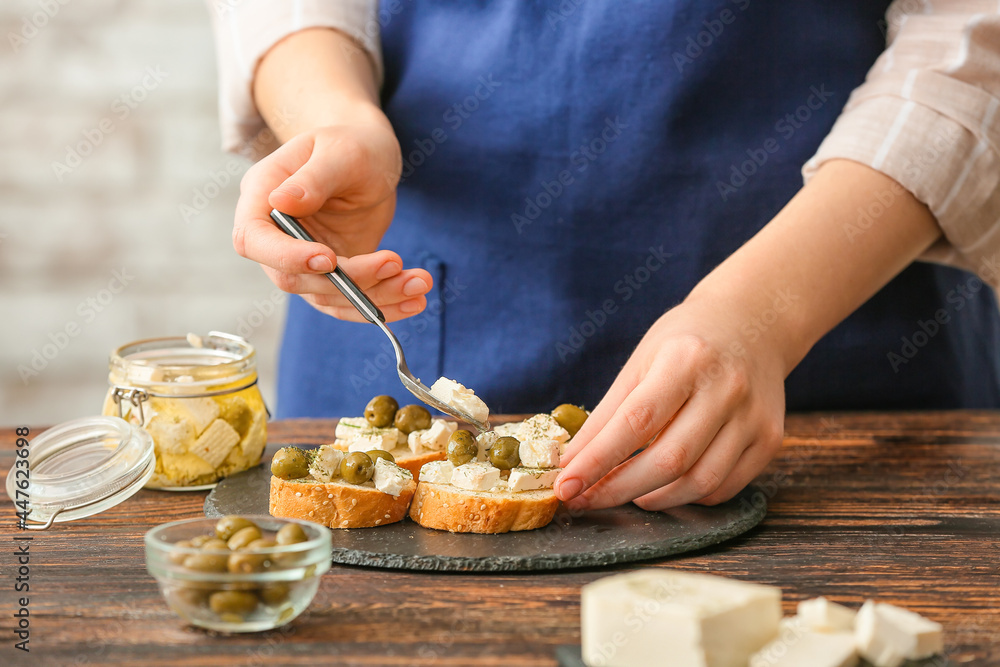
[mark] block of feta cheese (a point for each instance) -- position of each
(530, 479)
(348, 427)
(433, 439)
(376, 438)
(664, 617)
(484, 441)
(326, 464)
(821, 615)
(460, 397)
(390, 478)
(541, 439)
(216, 442)
(201, 412)
(887, 635)
(509, 429)
(475, 476)
(799, 646)
(437, 472)
(172, 433)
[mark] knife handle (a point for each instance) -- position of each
(338, 277)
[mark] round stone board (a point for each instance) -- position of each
(604, 537)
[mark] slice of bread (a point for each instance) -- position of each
(337, 504)
(447, 507)
(407, 459)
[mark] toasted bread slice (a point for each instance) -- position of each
(406, 458)
(447, 507)
(337, 504)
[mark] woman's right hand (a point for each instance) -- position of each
(340, 181)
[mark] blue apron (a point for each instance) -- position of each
(572, 169)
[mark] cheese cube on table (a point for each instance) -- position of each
(887, 635)
(390, 478)
(798, 646)
(475, 476)
(665, 617)
(821, 615)
(541, 439)
(384, 439)
(216, 442)
(433, 439)
(326, 465)
(437, 472)
(529, 479)
(348, 427)
(461, 397)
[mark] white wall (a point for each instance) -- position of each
(64, 234)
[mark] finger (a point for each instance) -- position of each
(709, 474)
(407, 285)
(365, 270)
(642, 414)
(599, 416)
(315, 170)
(392, 313)
(670, 456)
(260, 240)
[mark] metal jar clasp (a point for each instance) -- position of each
(134, 396)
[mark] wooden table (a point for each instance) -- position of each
(902, 507)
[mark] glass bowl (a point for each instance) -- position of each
(244, 590)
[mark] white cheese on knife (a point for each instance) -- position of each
(475, 476)
(665, 617)
(461, 397)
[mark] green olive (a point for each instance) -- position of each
(374, 454)
(189, 596)
(357, 468)
(177, 557)
(227, 526)
(245, 563)
(206, 562)
(462, 447)
(244, 536)
(291, 533)
(232, 602)
(570, 417)
(413, 418)
(215, 544)
(504, 453)
(290, 463)
(274, 593)
(380, 411)
(201, 539)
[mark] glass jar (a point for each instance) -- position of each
(198, 399)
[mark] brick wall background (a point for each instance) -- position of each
(129, 87)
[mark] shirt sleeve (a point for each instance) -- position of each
(926, 116)
(246, 29)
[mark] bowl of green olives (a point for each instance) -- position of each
(238, 573)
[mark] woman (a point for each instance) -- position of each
(601, 203)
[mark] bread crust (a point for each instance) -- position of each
(446, 507)
(337, 504)
(407, 459)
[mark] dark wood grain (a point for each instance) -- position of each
(902, 507)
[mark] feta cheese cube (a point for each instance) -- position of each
(379, 438)
(665, 617)
(390, 478)
(201, 412)
(433, 439)
(541, 440)
(460, 397)
(887, 635)
(437, 472)
(529, 479)
(798, 646)
(171, 432)
(475, 476)
(348, 427)
(509, 429)
(214, 445)
(821, 615)
(484, 441)
(326, 465)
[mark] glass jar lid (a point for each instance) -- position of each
(82, 467)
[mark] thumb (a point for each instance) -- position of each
(329, 170)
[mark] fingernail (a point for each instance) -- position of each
(412, 306)
(570, 489)
(414, 286)
(291, 190)
(387, 270)
(320, 263)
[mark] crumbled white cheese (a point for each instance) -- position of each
(348, 427)
(821, 615)
(437, 472)
(529, 479)
(541, 439)
(326, 465)
(484, 441)
(460, 397)
(434, 439)
(475, 476)
(887, 635)
(382, 438)
(390, 478)
(509, 429)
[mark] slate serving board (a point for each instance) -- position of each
(604, 537)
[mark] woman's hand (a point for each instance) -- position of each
(340, 181)
(704, 405)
